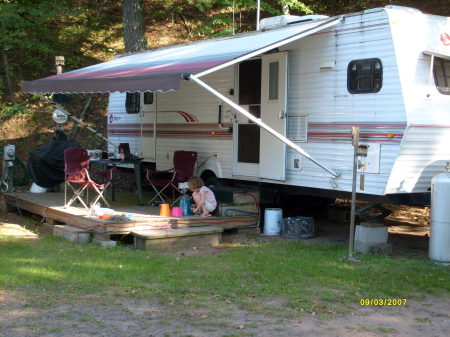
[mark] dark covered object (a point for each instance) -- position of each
(46, 164)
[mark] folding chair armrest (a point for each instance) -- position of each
(109, 173)
(88, 175)
(150, 173)
(181, 173)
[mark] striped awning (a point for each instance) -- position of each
(161, 69)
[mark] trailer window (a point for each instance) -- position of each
(273, 80)
(148, 97)
(364, 76)
(442, 75)
(132, 102)
(250, 82)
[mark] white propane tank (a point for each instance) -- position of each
(439, 245)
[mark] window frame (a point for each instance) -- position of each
(133, 102)
(445, 75)
(148, 97)
(354, 77)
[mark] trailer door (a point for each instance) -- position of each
(272, 162)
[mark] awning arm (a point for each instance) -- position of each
(326, 24)
(258, 121)
(431, 76)
(59, 107)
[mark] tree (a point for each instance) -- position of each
(24, 31)
(135, 37)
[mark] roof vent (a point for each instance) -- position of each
(284, 20)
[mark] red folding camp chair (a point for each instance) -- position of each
(184, 165)
(76, 168)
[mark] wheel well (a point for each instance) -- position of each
(207, 174)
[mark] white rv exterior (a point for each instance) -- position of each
(403, 117)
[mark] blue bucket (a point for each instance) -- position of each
(185, 205)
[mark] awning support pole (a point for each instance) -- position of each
(59, 107)
(258, 121)
(431, 76)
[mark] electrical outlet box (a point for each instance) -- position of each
(9, 152)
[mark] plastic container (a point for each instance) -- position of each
(298, 228)
(272, 221)
(37, 189)
(185, 204)
(165, 210)
(177, 211)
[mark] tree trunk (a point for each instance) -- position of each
(135, 37)
(6, 70)
(76, 129)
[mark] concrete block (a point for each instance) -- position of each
(382, 248)
(104, 243)
(54, 222)
(244, 197)
(338, 213)
(230, 210)
(177, 238)
(363, 247)
(84, 238)
(72, 233)
(48, 226)
(371, 234)
(6, 208)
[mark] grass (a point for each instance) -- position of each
(285, 278)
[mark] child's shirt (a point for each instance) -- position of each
(209, 195)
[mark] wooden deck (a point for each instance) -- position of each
(142, 218)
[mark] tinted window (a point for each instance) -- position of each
(364, 76)
(132, 102)
(442, 75)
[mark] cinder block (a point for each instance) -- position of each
(72, 233)
(244, 197)
(84, 238)
(382, 248)
(51, 221)
(338, 213)
(363, 247)
(177, 238)
(104, 243)
(230, 210)
(375, 235)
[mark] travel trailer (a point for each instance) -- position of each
(276, 109)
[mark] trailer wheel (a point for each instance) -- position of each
(213, 181)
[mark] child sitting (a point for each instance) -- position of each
(205, 201)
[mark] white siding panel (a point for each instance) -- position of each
(196, 135)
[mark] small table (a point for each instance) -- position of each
(137, 173)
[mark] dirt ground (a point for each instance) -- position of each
(123, 316)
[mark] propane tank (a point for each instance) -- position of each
(439, 245)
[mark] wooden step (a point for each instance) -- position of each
(177, 238)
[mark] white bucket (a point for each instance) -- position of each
(272, 221)
(37, 189)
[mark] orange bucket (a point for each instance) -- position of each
(165, 210)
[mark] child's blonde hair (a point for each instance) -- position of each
(195, 183)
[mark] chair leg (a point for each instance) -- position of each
(179, 196)
(159, 194)
(100, 196)
(75, 196)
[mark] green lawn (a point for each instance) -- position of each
(299, 277)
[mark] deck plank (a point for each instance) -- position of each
(51, 206)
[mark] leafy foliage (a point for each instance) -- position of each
(33, 32)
